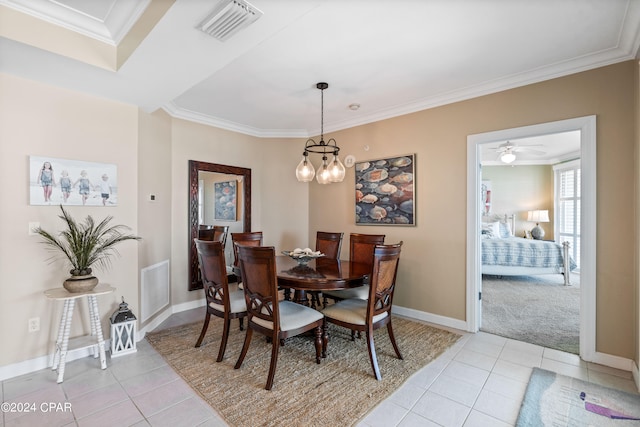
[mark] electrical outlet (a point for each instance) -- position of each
(34, 324)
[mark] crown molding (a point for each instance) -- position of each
(182, 113)
(518, 80)
(110, 26)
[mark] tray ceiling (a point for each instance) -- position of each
(391, 57)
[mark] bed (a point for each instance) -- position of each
(503, 254)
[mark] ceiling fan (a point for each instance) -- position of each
(507, 151)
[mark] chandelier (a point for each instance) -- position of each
(328, 171)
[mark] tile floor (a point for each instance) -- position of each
(478, 382)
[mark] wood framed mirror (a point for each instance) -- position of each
(195, 168)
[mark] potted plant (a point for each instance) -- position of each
(85, 245)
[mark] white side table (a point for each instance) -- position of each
(95, 340)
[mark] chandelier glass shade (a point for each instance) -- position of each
(331, 169)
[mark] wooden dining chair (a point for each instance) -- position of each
(245, 239)
(267, 314)
(361, 247)
(205, 234)
(220, 233)
(220, 301)
(214, 233)
(375, 312)
(330, 245)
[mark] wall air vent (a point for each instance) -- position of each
(229, 17)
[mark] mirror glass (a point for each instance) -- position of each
(208, 208)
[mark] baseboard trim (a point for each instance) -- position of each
(166, 313)
(44, 362)
(599, 358)
(431, 318)
(613, 361)
(636, 376)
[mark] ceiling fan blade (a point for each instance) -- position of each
(529, 150)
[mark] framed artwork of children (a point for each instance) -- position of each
(54, 181)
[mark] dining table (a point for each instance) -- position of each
(319, 274)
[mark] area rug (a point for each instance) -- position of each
(535, 309)
(337, 392)
(556, 400)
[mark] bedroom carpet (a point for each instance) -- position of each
(535, 309)
(337, 392)
(555, 400)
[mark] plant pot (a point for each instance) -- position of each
(75, 284)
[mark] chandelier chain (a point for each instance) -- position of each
(322, 116)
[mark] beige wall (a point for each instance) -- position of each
(154, 178)
(154, 153)
(38, 119)
(42, 120)
(518, 189)
(433, 264)
(637, 223)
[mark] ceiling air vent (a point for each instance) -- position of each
(229, 17)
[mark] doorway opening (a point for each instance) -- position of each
(525, 295)
(586, 126)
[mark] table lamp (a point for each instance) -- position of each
(538, 216)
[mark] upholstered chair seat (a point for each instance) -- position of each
(292, 316)
(236, 303)
(351, 311)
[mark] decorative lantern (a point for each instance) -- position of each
(123, 331)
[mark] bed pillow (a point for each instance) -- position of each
(491, 230)
(505, 230)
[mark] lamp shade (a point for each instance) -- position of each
(538, 216)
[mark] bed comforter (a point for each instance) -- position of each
(520, 252)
